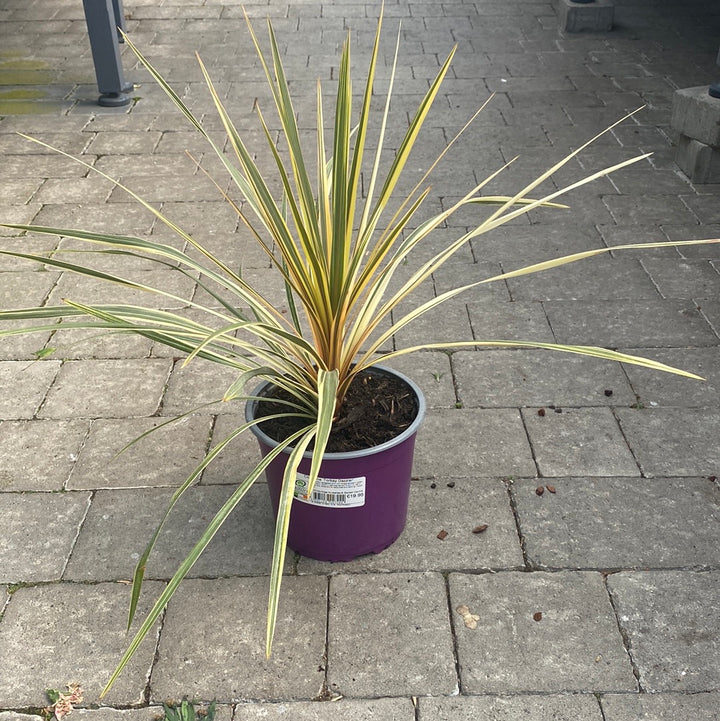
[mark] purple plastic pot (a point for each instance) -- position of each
(360, 500)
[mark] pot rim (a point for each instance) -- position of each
(251, 405)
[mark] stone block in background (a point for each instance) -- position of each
(696, 119)
(594, 16)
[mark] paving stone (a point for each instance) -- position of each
(119, 525)
(654, 388)
(509, 708)
(39, 454)
(616, 323)
(148, 713)
(227, 641)
(600, 278)
(575, 647)
(25, 288)
(673, 441)
(201, 217)
(38, 533)
(711, 311)
(24, 385)
(606, 523)
(75, 190)
(512, 378)
(389, 635)
(88, 344)
(120, 218)
(579, 441)
(685, 655)
(627, 235)
(660, 706)
(126, 143)
(432, 373)
(516, 321)
(238, 459)
(453, 275)
(684, 279)
(92, 291)
(694, 232)
(198, 383)
(67, 631)
(166, 457)
(448, 323)
(455, 506)
(381, 709)
(106, 388)
(521, 245)
(496, 444)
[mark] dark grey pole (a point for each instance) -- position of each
(103, 18)
(715, 87)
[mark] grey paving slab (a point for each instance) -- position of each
(122, 218)
(35, 244)
(432, 373)
(456, 506)
(670, 619)
(614, 323)
(578, 441)
(660, 706)
(227, 641)
(689, 232)
(91, 291)
(452, 275)
(448, 323)
(494, 444)
(61, 631)
(38, 533)
(381, 709)
(223, 712)
(165, 457)
(673, 441)
(389, 635)
(39, 455)
(521, 245)
(663, 389)
(24, 385)
(512, 378)
(558, 707)
(87, 344)
(201, 217)
(628, 234)
(119, 524)
(611, 523)
(106, 388)
(198, 383)
(25, 288)
(238, 459)
(516, 321)
(711, 311)
(600, 278)
(574, 647)
(75, 190)
(684, 279)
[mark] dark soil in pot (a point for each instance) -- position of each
(377, 408)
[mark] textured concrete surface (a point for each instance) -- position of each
(597, 599)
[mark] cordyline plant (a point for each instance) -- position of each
(337, 257)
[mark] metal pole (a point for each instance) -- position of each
(715, 87)
(102, 18)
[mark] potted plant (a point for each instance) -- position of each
(337, 243)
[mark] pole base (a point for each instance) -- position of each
(113, 100)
